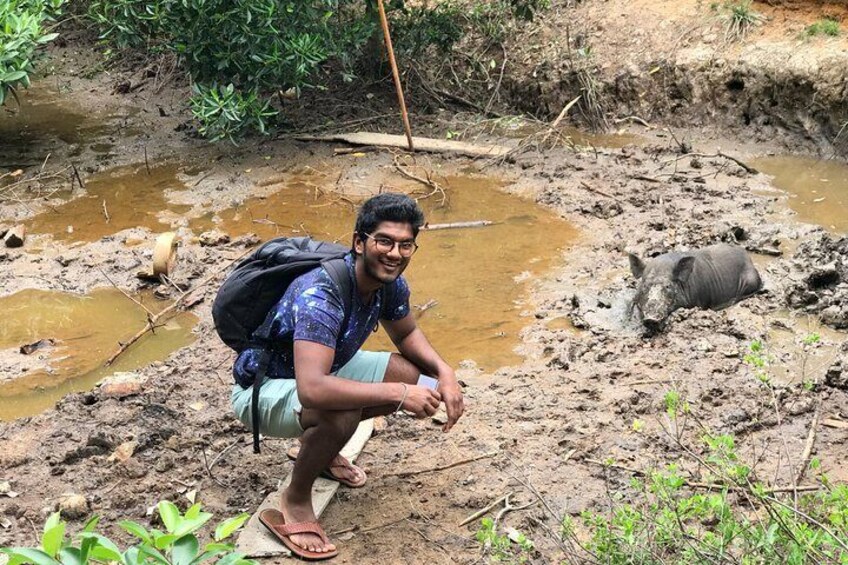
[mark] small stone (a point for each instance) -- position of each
(15, 237)
(440, 417)
(121, 385)
(836, 377)
(213, 238)
(379, 425)
(73, 506)
(124, 451)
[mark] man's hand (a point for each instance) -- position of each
(421, 401)
(452, 397)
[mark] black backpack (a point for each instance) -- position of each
(257, 283)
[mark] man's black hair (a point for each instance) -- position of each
(388, 207)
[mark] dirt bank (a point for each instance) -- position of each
(591, 387)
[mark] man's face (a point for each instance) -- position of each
(381, 253)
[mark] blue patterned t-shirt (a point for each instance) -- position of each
(312, 310)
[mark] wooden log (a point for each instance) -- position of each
(421, 143)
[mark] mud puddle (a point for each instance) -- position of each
(800, 349)
(84, 331)
(468, 284)
(519, 129)
(818, 189)
(45, 120)
(125, 197)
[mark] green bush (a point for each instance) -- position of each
(177, 545)
(223, 111)
(22, 30)
(825, 26)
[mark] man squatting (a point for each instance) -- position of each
(330, 385)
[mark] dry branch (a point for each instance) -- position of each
(151, 322)
(404, 474)
(456, 225)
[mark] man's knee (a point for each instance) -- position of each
(334, 423)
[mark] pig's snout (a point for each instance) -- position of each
(652, 324)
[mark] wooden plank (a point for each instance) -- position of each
(834, 423)
(421, 143)
(256, 541)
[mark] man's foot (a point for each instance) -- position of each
(295, 513)
(340, 469)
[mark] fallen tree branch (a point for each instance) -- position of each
(421, 143)
(739, 162)
(151, 321)
(455, 225)
(403, 474)
(436, 187)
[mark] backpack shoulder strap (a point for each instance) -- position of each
(337, 269)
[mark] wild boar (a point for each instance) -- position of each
(714, 277)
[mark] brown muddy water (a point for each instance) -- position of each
(45, 119)
(115, 200)
(818, 189)
(86, 330)
(469, 285)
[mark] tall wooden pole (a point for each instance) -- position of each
(395, 75)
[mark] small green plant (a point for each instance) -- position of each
(824, 26)
(758, 360)
(739, 19)
(224, 112)
(177, 545)
(511, 547)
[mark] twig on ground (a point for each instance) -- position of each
(636, 119)
(152, 322)
(455, 225)
(588, 187)
(209, 469)
(106, 212)
(150, 314)
(508, 507)
(224, 452)
(483, 511)
(808, 446)
(437, 188)
(498, 85)
(739, 162)
(403, 474)
(432, 303)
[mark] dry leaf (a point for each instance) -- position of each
(124, 451)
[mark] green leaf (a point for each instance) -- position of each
(12, 76)
(170, 515)
(54, 535)
(70, 556)
(157, 557)
(193, 512)
(164, 541)
(48, 37)
(137, 530)
(29, 555)
(104, 550)
(91, 524)
(189, 526)
(132, 556)
(185, 550)
(226, 528)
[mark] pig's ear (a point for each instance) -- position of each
(683, 268)
(637, 266)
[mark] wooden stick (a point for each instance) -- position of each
(486, 509)
(808, 446)
(395, 75)
(106, 212)
(403, 474)
(151, 322)
(834, 423)
(588, 187)
(455, 225)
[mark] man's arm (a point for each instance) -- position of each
(318, 389)
(413, 344)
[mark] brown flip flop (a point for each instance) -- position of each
(327, 473)
(276, 523)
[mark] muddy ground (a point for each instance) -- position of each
(585, 381)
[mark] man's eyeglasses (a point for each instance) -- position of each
(387, 244)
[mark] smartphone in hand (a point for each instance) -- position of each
(427, 382)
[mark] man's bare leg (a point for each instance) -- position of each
(326, 432)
